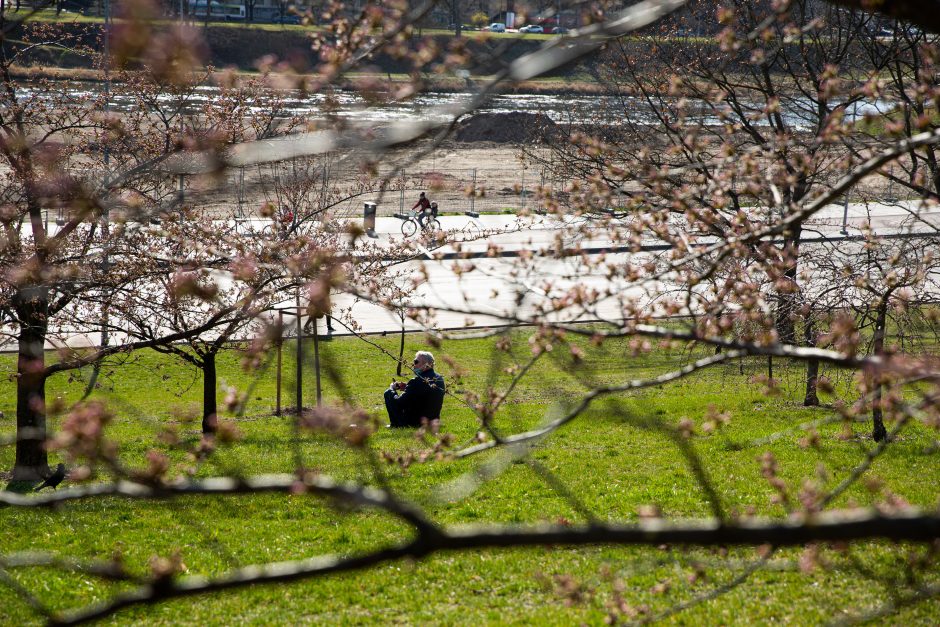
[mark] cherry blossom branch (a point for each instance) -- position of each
(552, 54)
(100, 354)
(799, 215)
(710, 595)
(865, 464)
(581, 407)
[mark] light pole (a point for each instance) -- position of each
(105, 257)
(300, 358)
(845, 215)
(105, 226)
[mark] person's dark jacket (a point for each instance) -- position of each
(423, 398)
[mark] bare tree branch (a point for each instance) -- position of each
(826, 527)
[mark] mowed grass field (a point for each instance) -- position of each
(613, 458)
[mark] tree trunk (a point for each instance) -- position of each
(878, 432)
(210, 418)
(32, 462)
(787, 301)
(812, 367)
(401, 349)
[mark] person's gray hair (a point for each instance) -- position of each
(428, 357)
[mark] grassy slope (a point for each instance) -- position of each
(610, 463)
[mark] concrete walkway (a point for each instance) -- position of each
(502, 287)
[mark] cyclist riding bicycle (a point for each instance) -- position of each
(426, 209)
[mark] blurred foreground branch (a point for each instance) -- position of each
(844, 526)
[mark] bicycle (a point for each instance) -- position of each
(410, 225)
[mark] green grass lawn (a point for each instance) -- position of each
(613, 458)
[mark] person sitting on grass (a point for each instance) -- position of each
(420, 400)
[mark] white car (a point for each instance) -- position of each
(532, 28)
(497, 27)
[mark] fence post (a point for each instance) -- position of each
(241, 192)
(845, 215)
(300, 359)
(541, 187)
(368, 218)
(473, 189)
(401, 198)
(316, 358)
(523, 187)
(280, 342)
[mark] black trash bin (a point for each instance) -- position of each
(368, 218)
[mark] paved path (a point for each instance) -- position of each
(495, 287)
(498, 286)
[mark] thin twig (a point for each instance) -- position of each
(599, 392)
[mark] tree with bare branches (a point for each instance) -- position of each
(675, 256)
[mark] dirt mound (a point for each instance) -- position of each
(502, 128)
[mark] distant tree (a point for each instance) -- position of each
(701, 204)
(767, 102)
(250, 10)
(857, 290)
(42, 130)
(899, 102)
(480, 19)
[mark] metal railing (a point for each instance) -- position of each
(481, 190)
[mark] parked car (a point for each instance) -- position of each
(497, 27)
(532, 28)
(559, 30)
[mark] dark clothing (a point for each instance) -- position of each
(421, 400)
(425, 205)
(423, 202)
(423, 218)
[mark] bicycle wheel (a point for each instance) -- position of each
(432, 226)
(409, 228)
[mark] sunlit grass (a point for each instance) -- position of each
(616, 458)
